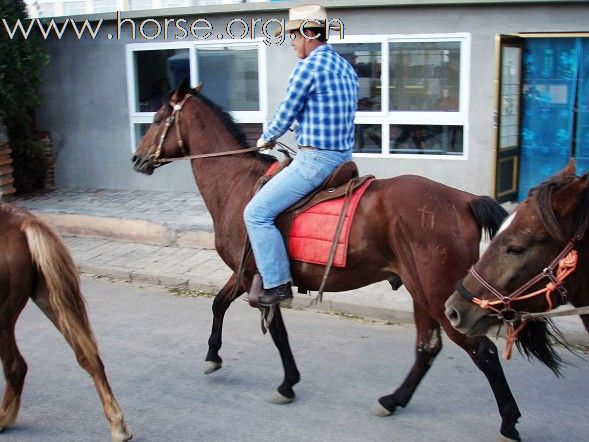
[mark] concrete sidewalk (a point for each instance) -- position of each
(167, 238)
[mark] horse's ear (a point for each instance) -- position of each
(197, 89)
(570, 169)
(180, 91)
(566, 199)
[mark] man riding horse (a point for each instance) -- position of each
(322, 97)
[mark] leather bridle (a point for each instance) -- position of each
(174, 119)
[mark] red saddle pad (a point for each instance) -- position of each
(312, 231)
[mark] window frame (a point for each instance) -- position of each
(386, 117)
(137, 117)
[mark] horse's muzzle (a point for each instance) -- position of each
(142, 164)
(468, 318)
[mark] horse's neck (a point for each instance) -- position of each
(226, 183)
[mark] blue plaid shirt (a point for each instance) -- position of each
(322, 97)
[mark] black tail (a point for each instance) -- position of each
(488, 214)
(536, 340)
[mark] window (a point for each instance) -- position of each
(104, 6)
(424, 76)
(136, 5)
(74, 8)
(230, 73)
(366, 59)
(173, 3)
(45, 9)
(158, 72)
(413, 93)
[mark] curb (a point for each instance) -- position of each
(303, 302)
(131, 230)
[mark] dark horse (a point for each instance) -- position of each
(529, 268)
(34, 263)
(408, 227)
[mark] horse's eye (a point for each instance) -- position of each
(515, 250)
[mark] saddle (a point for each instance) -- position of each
(343, 180)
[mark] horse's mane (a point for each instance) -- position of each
(544, 198)
(537, 338)
(233, 128)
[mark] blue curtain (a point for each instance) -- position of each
(549, 90)
(582, 139)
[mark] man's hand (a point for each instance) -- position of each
(263, 144)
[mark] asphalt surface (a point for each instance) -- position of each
(153, 345)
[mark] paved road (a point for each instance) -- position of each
(153, 345)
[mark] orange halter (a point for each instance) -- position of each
(564, 264)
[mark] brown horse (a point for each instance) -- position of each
(34, 263)
(530, 268)
(407, 229)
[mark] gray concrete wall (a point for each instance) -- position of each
(86, 92)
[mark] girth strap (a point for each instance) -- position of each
(338, 231)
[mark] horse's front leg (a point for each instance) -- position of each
(221, 303)
(428, 345)
(484, 354)
(285, 393)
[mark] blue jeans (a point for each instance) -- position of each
(307, 171)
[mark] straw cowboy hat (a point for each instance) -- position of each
(309, 16)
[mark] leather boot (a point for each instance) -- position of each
(275, 295)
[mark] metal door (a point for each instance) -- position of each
(509, 53)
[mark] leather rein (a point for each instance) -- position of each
(556, 272)
(174, 119)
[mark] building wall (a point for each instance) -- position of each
(86, 90)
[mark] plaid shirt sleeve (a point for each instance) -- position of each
(300, 85)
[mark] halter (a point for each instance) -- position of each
(557, 272)
(175, 120)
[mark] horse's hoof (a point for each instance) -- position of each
(379, 410)
(122, 436)
(211, 366)
(503, 438)
(280, 399)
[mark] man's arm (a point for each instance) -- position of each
(299, 87)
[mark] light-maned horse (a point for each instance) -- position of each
(34, 263)
(535, 241)
(425, 233)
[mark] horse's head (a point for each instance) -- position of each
(525, 264)
(165, 137)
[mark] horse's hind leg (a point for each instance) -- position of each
(14, 297)
(81, 340)
(285, 393)
(221, 303)
(585, 319)
(484, 354)
(428, 345)
(15, 370)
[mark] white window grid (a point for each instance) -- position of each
(240, 117)
(74, 8)
(136, 5)
(104, 6)
(386, 117)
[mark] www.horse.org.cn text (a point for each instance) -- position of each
(271, 31)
